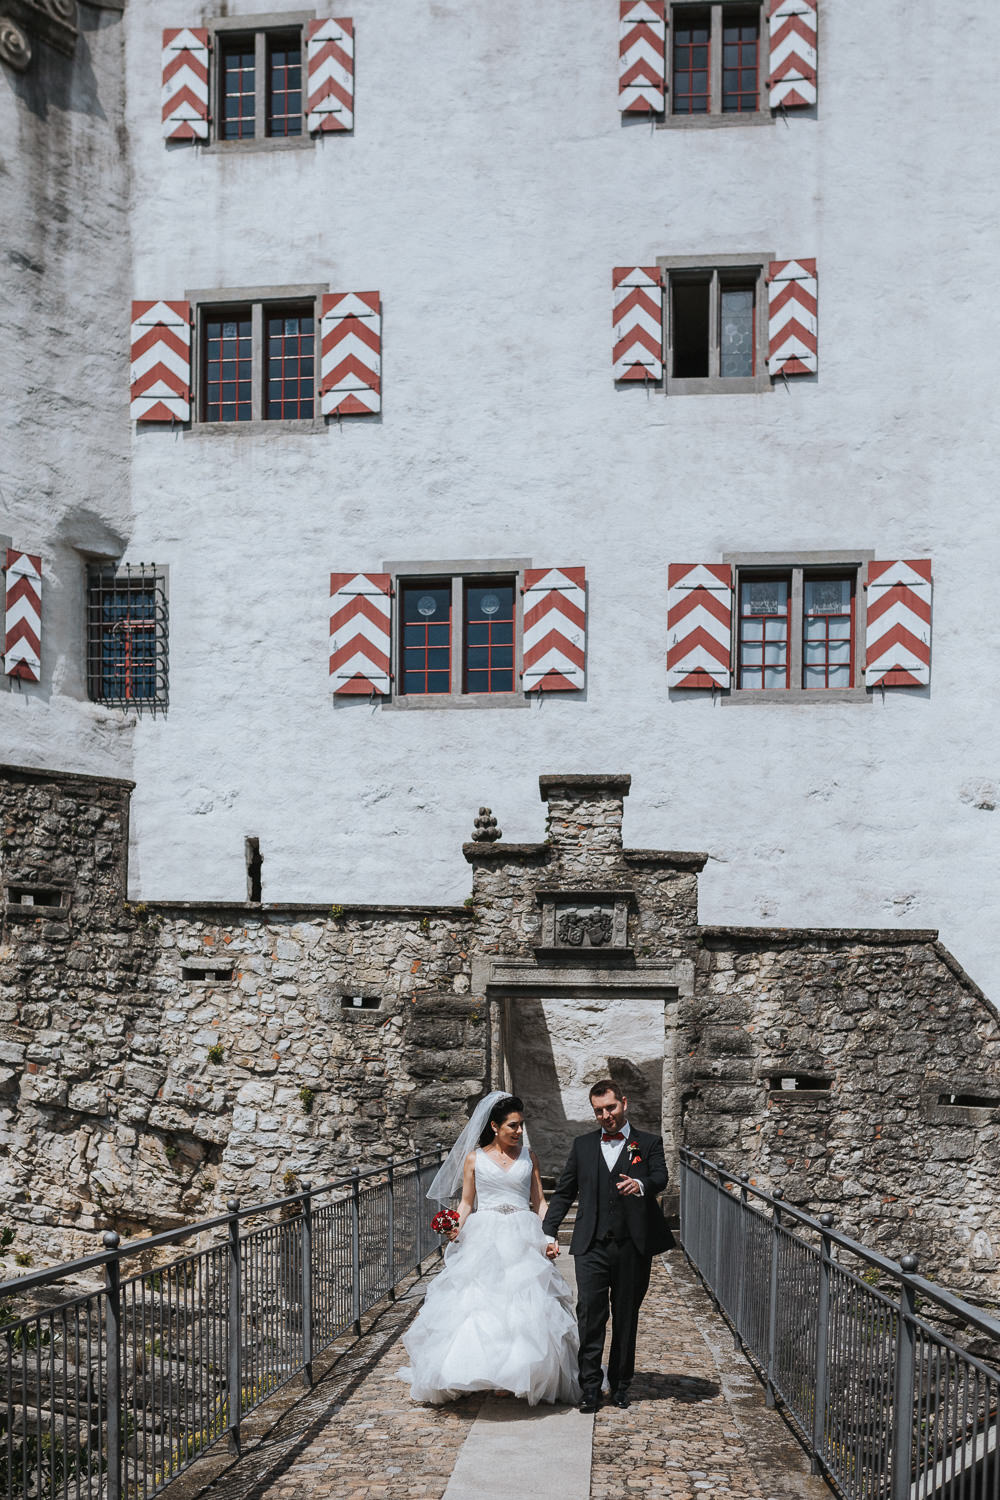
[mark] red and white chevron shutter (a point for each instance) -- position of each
(184, 93)
(161, 362)
(23, 615)
(351, 354)
(699, 625)
(642, 54)
(555, 629)
(330, 76)
(361, 632)
(898, 636)
(793, 53)
(792, 321)
(638, 320)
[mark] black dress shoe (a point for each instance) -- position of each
(621, 1398)
(591, 1401)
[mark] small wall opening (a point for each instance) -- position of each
(214, 974)
(360, 1002)
(970, 1101)
(254, 861)
(28, 895)
(793, 1083)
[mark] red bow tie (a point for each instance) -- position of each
(618, 1136)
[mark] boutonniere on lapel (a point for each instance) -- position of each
(634, 1154)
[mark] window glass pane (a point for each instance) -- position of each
(764, 596)
(814, 677)
(691, 62)
(237, 88)
(740, 50)
(284, 86)
(290, 370)
(689, 328)
(426, 619)
(736, 351)
(840, 676)
(489, 635)
(826, 596)
(774, 677)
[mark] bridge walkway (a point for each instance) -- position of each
(699, 1426)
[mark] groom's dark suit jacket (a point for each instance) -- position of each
(581, 1180)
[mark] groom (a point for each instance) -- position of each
(615, 1172)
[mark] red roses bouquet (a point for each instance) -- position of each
(444, 1222)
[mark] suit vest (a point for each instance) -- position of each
(610, 1207)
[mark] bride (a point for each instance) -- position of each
(499, 1317)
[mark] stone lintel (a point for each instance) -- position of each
(261, 911)
(585, 893)
(501, 852)
(584, 786)
(675, 859)
(523, 977)
(43, 773)
(768, 937)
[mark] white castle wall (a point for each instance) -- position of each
(487, 191)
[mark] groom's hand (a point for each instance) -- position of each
(629, 1186)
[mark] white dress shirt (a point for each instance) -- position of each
(611, 1150)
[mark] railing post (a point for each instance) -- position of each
(419, 1225)
(356, 1248)
(113, 1355)
(772, 1308)
(902, 1427)
(390, 1249)
(717, 1238)
(740, 1309)
(234, 1361)
(307, 1285)
(822, 1375)
(439, 1151)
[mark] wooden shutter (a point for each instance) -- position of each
(699, 625)
(898, 633)
(351, 356)
(361, 633)
(184, 93)
(161, 362)
(638, 322)
(642, 48)
(329, 76)
(555, 629)
(793, 54)
(23, 615)
(792, 318)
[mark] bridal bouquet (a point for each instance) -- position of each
(444, 1222)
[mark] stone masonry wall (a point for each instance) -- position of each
(156, 1059)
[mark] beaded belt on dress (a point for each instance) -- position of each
(504, 1208)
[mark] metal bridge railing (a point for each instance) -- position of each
(110, 1393)
(889, 1406)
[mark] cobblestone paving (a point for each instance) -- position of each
(699, 1426)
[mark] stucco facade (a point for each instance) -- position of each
(487, 190)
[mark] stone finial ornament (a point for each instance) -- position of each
(486, 830)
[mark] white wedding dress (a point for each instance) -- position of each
(499, 1316)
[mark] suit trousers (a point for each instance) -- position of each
(613, 1272)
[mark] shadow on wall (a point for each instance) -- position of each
(557, 1048)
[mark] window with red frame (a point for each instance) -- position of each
(227, 388)
(828, 632)
(740, 51)
(238, 87)
(284, 86)
(127, 637)
(692, 33)
(763, 632)
(489, 637)
(290, 376)
(425, 646)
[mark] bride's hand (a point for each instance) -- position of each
(452, 1235)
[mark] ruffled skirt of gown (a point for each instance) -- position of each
(498, 1317)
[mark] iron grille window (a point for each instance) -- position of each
(291, 370)
(238, 87)
(127, 637)
(258, 84)
(457, 636)
(715, 60)
(284, 86)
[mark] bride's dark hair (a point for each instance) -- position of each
(501, 1109)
